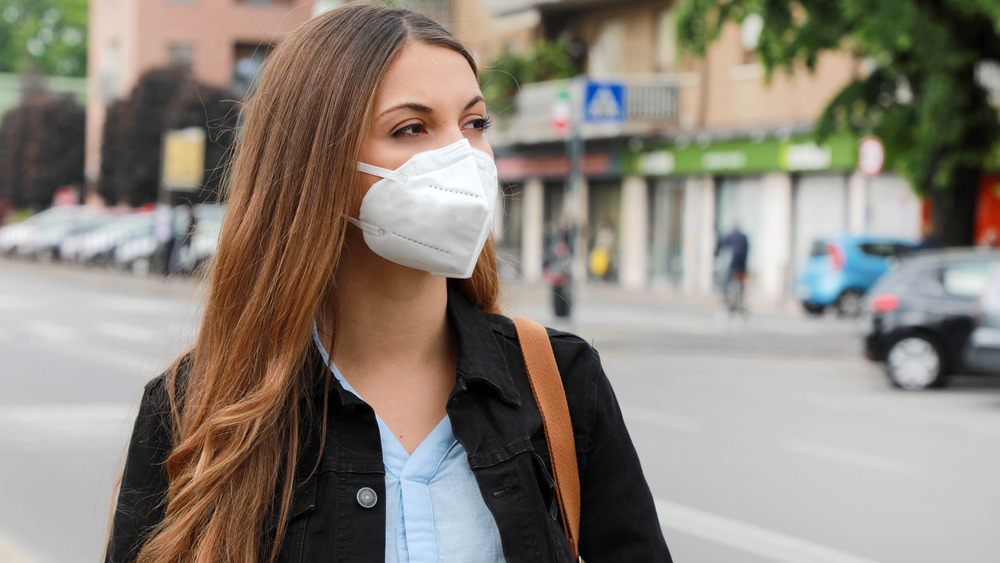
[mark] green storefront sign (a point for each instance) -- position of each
(744, 156)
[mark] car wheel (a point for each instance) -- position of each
(849, 304)
(812, 309)
(915, 363)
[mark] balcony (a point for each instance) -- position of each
(650, 107)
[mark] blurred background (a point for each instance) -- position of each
(777, 221)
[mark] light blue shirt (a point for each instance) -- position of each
(434, 511)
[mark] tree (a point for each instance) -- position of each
(45, 35)
(55, 148)
(917, 88)
(143, 134)
(113, 183)
(548, 60)
(43, 140)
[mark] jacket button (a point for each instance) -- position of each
(367, 497)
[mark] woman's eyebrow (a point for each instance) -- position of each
(425, 109)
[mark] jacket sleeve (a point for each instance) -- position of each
(143, 488)
(618, 519)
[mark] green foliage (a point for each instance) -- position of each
(915, 88)
(45, 35)
(548, 60)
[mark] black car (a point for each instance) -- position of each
(922, 315)
(982, 352)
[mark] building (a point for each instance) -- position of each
(692, 147)
(222, 42)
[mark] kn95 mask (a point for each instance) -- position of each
(434, 212)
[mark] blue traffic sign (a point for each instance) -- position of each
(604, 102)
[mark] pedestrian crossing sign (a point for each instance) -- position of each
(604, 102)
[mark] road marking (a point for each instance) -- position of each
(51, 331)
(862, 459)
(747, 537)
(126, 331)
(662, 419)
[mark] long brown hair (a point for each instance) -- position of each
(292, 182)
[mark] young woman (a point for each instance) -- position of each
(354, 394)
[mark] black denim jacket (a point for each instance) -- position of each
(493, 415)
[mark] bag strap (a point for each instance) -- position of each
(546, 385)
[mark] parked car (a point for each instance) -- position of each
(26, 237)
(922, 314)
(137, 254)
(982, 351)
(97, 246)
(841, 270)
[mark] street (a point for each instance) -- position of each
(764, 440)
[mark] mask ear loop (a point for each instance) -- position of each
(368, 228)
(392, 175)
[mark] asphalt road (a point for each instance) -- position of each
(764, 440)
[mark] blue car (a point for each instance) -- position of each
(841, 269)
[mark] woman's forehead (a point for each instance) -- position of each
(426, 74)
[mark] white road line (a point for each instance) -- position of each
(126, 331)
(661, 419)
(862, 459)
(747, 537)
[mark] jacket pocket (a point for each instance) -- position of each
(293, 543)
(559, 545)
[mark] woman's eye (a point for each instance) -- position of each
(481, 124)
(409, 130)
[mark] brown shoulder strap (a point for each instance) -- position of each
(551, 399)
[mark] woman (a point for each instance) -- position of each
(354, 394)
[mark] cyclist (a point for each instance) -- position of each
(738, 246)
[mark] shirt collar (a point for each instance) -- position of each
(480, 357)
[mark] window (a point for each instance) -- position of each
(180, 55)
(882, 249)
(819, 248)
(249, 57)
(967, 279)
(666, 41)
(750, 29)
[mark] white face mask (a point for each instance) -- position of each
(434, 212)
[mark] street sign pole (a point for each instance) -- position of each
(573, 203)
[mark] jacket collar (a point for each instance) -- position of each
(479, 355)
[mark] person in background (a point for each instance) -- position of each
(737, 245)
(355, 392)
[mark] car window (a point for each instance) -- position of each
(819, 248)
(926, 282)
(899, 249)
(883, 249)
(967, 279)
